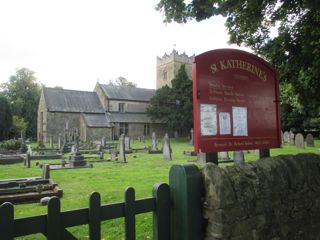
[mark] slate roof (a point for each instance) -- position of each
(129, 118)
(96, 120)
(62, 100)
(128, 93)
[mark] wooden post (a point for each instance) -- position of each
(264, 153)
(54, 230)
(161, 216)
(6, 221)
(129, 214)
(95, 216)
(186, 187)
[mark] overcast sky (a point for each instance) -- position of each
(73, 43)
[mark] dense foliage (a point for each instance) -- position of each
(5, 118)
(286, 33)
(121, 81)
(23, 92)
(10, 144)
(174, 105)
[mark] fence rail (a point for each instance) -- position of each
(53, 224)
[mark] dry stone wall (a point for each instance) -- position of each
(272, 199)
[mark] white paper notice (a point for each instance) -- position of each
(208, 119)
(239, 121)
(224, 123)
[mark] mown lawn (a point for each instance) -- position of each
(111, 179)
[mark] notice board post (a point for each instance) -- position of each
(236, 103)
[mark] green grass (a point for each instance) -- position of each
(111, 179)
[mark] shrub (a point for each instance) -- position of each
(11, 144)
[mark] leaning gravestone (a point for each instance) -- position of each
(286, 137)
(191, 135)
(309, 140)
(166, 148)
(299, 140)
(238, 157)
(291, 138)
(122, 152)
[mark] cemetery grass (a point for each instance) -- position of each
(111, 179)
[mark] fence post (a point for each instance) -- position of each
(186, 187)
(129, 214)
(95, 216)
(54, 230)
(161, 216)
(6, 221)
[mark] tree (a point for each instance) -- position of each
(18, 124)
(23, 92)
(174, 105)
(5, 118)
(121, 81)
(286, 33)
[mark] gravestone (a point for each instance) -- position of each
(113, 154)
(238, 157)
(103, 142)
(127, 143)
(139, 138)
(23, 147)
(299, 140)
(51, 141)
(122, 152)
(286, 137)
(291, 138)
(76, 158)
(223, 156)
(166, 148)
(64, 148)
(59, 141)
(191, 135)
(309, 140)
(154, 142)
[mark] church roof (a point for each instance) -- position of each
(128, 93)
(117, 117)
(62, 100)
(96, 120)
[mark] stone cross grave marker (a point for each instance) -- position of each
(286, 137)
(309, 140)
(291, 138)
(191, 135)
(154, 142)
(299, 140)
(166, 148)
(122, 152)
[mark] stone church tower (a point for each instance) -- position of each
(169, 65)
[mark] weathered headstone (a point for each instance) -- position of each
(76, 158)
(166, 148)
(23, 147)
(286, 137)
(291, 138)
(223, 156)
(310, 140)
(51, 141)
(127, 143)
(154, 142)
(191, 135)
(46, 171)
(103, 142)
(27, 161)
(238, 157)
(299, 140)
(59, 141)
(64, 148)
(113, 154)
(122, 152)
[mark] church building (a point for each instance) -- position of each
(109, 110)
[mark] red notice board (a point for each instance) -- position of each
(235, 102)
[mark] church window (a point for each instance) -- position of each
(123, 128)
(146, 129)
(165, 75)
(121, 107)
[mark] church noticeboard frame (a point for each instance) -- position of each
(235, 102)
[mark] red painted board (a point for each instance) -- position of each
(235, 102)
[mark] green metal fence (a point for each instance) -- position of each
(176, 212)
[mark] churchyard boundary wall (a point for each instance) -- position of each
(272, 198)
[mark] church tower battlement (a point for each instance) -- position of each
(169, 65)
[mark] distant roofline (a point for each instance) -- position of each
(71, 90)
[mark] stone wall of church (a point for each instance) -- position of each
(101, 96)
